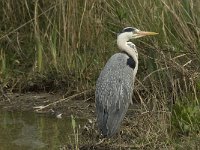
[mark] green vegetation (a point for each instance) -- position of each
(53, 45)
(186, 117)
(76, 134)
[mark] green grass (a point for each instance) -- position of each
(186, 117)
(53, 45)
(75, 139)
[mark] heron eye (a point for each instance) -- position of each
(128, 29)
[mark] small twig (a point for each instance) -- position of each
(100, 141)
(179, 56)
(39, 108)
(187, 63)
(88, 99)
(154, 72)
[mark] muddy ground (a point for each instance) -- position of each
(80, 105)
(46, 102)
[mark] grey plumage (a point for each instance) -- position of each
(115, 84)
(114, 92)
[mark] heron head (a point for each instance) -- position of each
(133, 33)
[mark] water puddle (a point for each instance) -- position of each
(27, 130)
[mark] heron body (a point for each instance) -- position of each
(114, 87)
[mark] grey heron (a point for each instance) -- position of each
(114, 87)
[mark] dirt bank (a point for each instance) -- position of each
(76, 105)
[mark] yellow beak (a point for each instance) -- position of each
(144, 33)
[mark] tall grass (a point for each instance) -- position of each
(51, 44)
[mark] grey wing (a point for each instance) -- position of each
(113, 93)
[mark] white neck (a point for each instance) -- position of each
(122, 42)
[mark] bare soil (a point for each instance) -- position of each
(46, 102)
(79, 105)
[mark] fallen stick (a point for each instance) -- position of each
(39, 108)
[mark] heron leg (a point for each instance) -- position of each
(120, 140)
